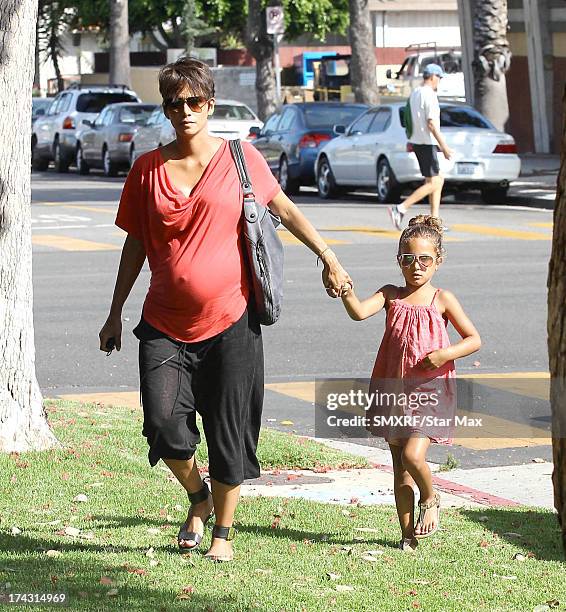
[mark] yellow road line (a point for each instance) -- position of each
(64, 243)
(548, 224)
(288, 238)
(498, 231)
(130, 399)
(79, 207)
(374, 231)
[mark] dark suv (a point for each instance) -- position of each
(54, 134)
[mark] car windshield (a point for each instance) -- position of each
(95, 102)
(457, 117)
(326, 116)
(40, 103)
(135, 114)
(232, 111)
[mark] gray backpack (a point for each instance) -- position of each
(263, 246)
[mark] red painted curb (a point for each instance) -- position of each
(460, 490)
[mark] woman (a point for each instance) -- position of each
(200, 342)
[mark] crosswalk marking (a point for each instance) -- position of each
(64, 243)
(486, 230)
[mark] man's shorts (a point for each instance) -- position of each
(428, 159)
(221, 379)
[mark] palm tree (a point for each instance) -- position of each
(362, 64)
(492, 59)
(557, 344)
(23, 423)
(260, 45)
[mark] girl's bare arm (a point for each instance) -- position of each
(470, 343)
(360, 310)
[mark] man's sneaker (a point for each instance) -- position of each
(396, 216)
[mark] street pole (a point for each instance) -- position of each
(277, 66)
(539, 44)
(467, 37)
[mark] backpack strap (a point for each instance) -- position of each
(249, 205)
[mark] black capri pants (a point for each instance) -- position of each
(221, 378)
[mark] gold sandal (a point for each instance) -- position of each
(423, 507)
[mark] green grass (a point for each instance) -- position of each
(451, 463)
(469, 565)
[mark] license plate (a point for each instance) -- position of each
(467, 168)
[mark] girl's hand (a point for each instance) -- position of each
(434, 360)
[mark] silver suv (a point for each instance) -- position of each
(54, 134)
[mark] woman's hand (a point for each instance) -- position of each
(334, 278)
(111, 329)
(434, 360)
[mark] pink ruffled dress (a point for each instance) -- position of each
(412, 332)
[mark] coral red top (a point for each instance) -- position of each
(199, 281)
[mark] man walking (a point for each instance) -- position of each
(425, 138)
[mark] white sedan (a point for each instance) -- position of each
(374, 152)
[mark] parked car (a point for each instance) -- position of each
(374, 152)
(105, 142)
(54, 135)
(39, 107)
(410, 75)
(290, 139)
(149, 135)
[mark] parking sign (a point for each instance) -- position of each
(275, 20)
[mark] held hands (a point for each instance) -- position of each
(434, 360)
(112, 329)
(335, 279)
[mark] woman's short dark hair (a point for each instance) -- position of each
(186, 72)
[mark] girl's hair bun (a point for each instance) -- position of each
(433, 222)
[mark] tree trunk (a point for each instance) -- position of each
(260, 45)
(492, 59)
(119, 43)
(362, 65)
(557, 341)
(23, 423)
(36, 58)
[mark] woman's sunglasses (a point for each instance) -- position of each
(408, 259)
(195, 104)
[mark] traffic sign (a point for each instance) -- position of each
(275, 20)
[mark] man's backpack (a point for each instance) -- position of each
(408, 119)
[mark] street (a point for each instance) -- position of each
(496, 264)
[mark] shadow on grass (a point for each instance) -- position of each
(24, 571)
(301, 536)
(535, 531)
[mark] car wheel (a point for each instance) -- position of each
(388, 189)
(494, 195)
(82, 166)
(325, 182)
(288, 184)
(61, 164)
(37, 162)
(108, 165)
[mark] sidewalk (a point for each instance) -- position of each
(501, 486)
(536, 187)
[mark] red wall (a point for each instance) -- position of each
(520, 124)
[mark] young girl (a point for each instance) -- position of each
(416, 346)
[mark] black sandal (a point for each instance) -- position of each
(224, 533)
(195, 498)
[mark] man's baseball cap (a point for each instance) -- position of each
(433, 69)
